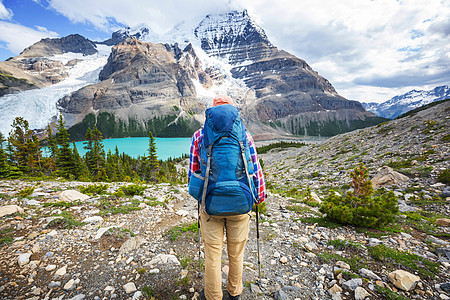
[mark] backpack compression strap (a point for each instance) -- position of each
(208, 168)
(246, 168)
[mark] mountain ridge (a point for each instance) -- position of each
(401, 104)
(225, 53)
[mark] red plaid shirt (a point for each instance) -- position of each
(194, 162)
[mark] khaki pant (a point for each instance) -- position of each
(212, 228)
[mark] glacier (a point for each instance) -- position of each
(38, 106)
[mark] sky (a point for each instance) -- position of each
(370, 50)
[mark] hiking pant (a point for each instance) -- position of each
(212, 228)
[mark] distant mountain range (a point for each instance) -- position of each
(138, 81)
(401, 104)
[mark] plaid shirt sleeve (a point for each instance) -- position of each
(194, 155)
(259, 175)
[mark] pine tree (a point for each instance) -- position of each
(95, 155)
(153, 157)
(65, 160)
(4, 166)
(53, 147)
(81, 169)
(6, 170)
(17, 143)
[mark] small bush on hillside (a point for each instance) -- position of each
(26, 192)
(94, 189)
(361, 206)
(444, 176)
(131, 190)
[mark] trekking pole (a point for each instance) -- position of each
(199, 273)
(257, 244)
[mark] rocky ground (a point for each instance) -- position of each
(59, 243)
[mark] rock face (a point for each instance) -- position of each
(33, 69)
(287, 89)
(49, 47)
(142, 81)
(166, 87)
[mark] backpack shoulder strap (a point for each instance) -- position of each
(244, 159)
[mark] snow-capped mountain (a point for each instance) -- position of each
(401, 104)
(165, 82)
(141, 31)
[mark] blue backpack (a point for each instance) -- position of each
(224, 184)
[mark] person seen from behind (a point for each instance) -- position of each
(215, 225)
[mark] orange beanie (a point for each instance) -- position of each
(219, 100)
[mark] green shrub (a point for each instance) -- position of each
(94, 189)
(444, 176)
(131, 190)
(261, 208)
(361, 207)
(26, 192)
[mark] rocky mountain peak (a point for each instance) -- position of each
(49, 47)
(231, 34)
(141, 31)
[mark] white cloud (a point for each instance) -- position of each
(5, 13)
(375, 46)
(18, 37)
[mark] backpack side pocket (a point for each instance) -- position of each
(196, 183)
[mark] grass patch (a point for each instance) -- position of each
(356, 263)
(344, 245)
(397, 259)
(178, 230)
(6, 236)
(113, 205)
(267, 148)
(388, 294)
(321, 222)
(298, 209)
(63, 204)
(67, 221)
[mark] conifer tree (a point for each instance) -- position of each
(53, 147)
(6, 170)
(4, 166)
(153, 157)
(18, 143)
(95, 155)
(65, 160)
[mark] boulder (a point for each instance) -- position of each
(164, 259)
(403, 280)
(443, 222)
(352, 284)
(387, 176)
(72, 195)
(93, 220)
(9, 210)
(23, 259)
(131, 244)
(369, 274)
(130, 288)
(361, 293)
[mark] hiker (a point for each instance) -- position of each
(234, 181)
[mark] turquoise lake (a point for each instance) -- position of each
(138, 146)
